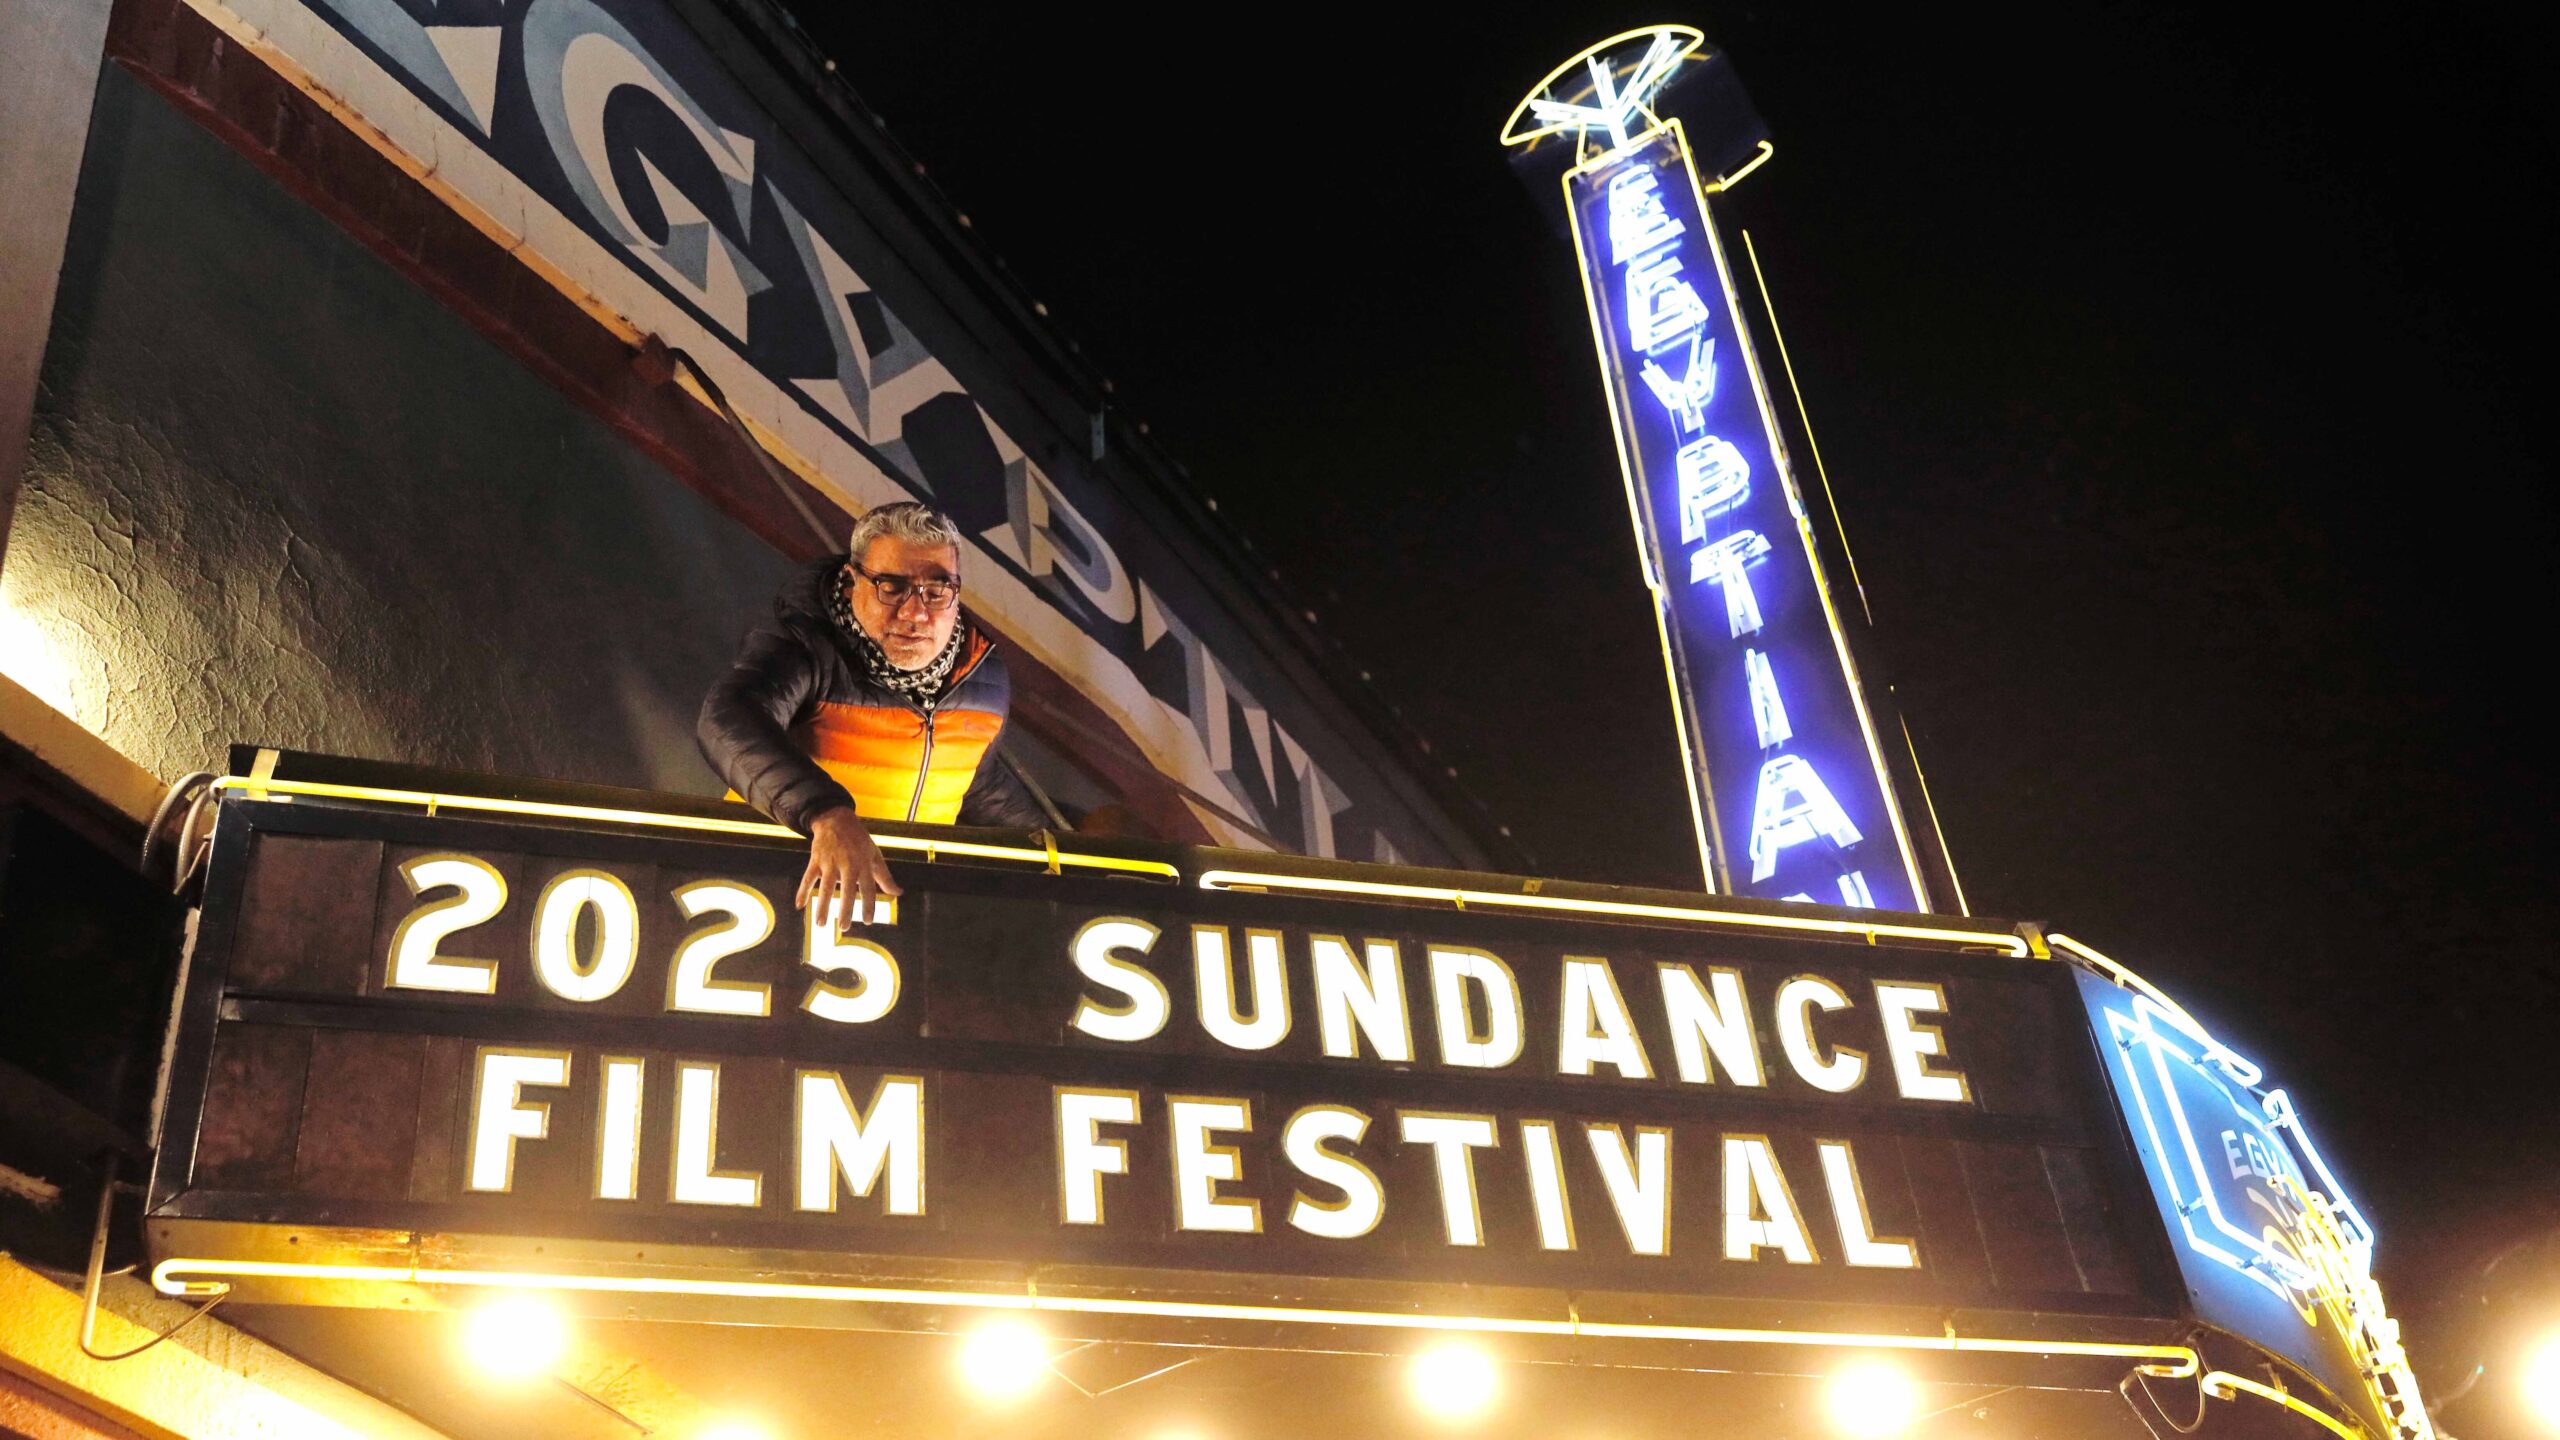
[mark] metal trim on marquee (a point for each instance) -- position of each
(439, 1034)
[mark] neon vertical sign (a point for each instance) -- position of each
(1787, 782)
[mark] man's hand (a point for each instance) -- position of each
(845, 870)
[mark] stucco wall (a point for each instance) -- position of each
(277, 493)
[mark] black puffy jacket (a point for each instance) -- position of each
(796, 727)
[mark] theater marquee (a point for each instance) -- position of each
(1163, 1091)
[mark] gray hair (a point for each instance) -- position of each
(908, 520)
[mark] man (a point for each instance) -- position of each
(867, 696)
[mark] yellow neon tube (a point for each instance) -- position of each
(931, 849)
(1691, 41)
(170, 1277)
(2223, 1385)
(1758, 159)
(2008, 944)
(2176, 1014)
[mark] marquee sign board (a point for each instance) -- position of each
(1164, 1090)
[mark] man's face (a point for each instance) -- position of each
(910, 633)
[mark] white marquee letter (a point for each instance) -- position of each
(1453, 969)
(1910, 1044)
(1364, 1200)
(1702, 1025)
(480, 893)
(1759, 1212)
(885, 1138)
(698, 1144)
(750, 922)
(1639, 1183)
(1453, 1140)
(1371, 995)
(1214, 969)
(1199, 1167)
(1595, 1028)
(1796, 999)
(1084, 1157)
(1858, 1242)
(1144, 1007)
(618, 1130)
(555, 935)
(874, 992)
(500, 1116)
(1547, 1199)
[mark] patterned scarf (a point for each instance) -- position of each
(922, 684)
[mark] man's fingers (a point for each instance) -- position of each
(858, 899)
(880, 883)
(808, 883)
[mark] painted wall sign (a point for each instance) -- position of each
(611, 1043)
(624, 157)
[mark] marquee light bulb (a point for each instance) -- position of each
(2542, 1382)
(1003, 1358)
(515, 1337)
(1871, 1398)
(734, 1430)
(1454, 1380)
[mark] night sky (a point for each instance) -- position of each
(2174, 383)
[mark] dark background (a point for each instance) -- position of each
(2174, 374)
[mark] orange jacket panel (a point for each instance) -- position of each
(879, 753)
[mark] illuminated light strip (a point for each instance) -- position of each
(1702, 810)
(2009, 944)
(170, 1277)
(2223, 1385)
(1926, 802)
(931, 849)
(2234, 1064)
(1751, 252)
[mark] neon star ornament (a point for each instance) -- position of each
(1605, 94)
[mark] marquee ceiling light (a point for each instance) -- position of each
(1454, 1380)
(2542, 1382)
(1871, 1398)
(515, 1337)
(1004, 1358)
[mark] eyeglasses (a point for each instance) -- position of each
(894, 590)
